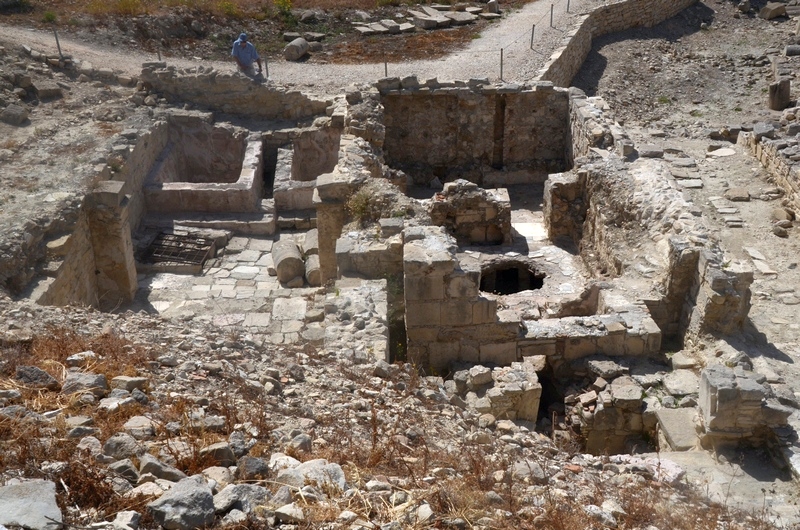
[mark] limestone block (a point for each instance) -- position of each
(458, 313)
(579, 347)
(544, 348)
(626, 394)
(460, 18)
(423, 314)
(780, 94)
(391, 25)
(47, 89)
(433, 253)
(296, 49)
(484, 311)
(311, 242)
(681, 382)
(677, 428)
(108, 193)
(313, 275)
(423, 287)
(442, 354)
(462, 286)
(288, 260)
(421, 20)
(501, 353)
(772, 10)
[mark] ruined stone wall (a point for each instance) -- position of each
(369, 255)
(75, 283)
(243, 195)
(467, 132)
(316, 151)
(617, 16)
(447, 319)
(784, 170)
(200, 151)
(98, 268)
(472, 215)
(26, 248)
(599, 209)
(720, 298)
(141, 155)
(590, 129)
(231, 93)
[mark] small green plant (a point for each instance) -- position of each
(49, 17)
(696, 113)
(663, 100)
(737, 109)
(359, 206)
(284, 7)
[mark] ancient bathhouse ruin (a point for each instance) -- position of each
(503, 237)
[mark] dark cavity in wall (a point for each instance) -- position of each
(270, 163)
(510, 278)
(398, 342)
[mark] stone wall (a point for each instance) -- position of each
(25, 246)
(737, 407)
(601, 203)
(590, 129)
(369, 255)
(447, 319)
(75, 282)
(774, 155)
(200, 152)
(313, 152)
(140, 155)
(98, 267)
(242, 196)
(231, 93)
(612, 17)
(472, 215)
(630, 333)
(472, 132)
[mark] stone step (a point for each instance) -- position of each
(38, 288)
(297, 220)
(676, 429)
(249, 224)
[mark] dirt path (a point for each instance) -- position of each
(480, 59)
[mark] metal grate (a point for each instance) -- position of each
(176, 249)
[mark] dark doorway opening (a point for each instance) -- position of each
(510, 278)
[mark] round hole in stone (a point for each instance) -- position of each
(510, 278)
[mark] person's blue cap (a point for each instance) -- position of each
(243, 37)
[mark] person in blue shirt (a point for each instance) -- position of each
(245, 55)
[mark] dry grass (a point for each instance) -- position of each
(427, 45)
(368, 441)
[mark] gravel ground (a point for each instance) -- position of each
(480, 59)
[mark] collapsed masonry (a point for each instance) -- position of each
(616, 262)
(557, 316)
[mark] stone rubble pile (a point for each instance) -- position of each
(431, 17)
(309, 462)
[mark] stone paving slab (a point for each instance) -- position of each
(677, 427)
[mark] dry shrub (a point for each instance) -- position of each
(457, 498)
(117, 355)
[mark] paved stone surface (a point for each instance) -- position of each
(682, 382)
(677, 427)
